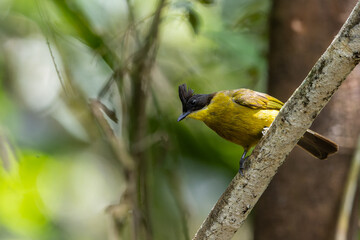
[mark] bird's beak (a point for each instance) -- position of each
(182, 116)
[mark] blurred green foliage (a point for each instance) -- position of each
(21, 208)
(63, 174)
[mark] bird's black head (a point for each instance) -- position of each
(192, 102)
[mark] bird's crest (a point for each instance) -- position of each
(185, 94)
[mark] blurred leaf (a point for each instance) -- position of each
(193, 18)
(7, 154)
(191, 15)
(110, 113)
(206, 2)
(251, 15)
(182, 4)
(249, 19)
(78, 21)
(21, 208)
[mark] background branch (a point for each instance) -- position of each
(347, 202)
(294, 118)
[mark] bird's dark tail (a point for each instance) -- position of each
(317, 145)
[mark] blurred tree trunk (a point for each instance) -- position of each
(303, 200)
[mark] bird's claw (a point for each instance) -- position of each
(241, 171)
(242, 164)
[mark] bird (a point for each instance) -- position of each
(242, 116)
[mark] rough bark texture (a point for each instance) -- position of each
(294, 118)
(302, 202)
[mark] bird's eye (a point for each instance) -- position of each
(193, 102)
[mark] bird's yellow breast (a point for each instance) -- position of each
(239, 124)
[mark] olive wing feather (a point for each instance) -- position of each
(255, 100)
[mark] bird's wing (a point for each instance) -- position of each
(255, 100)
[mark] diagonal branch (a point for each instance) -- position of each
(294, 118)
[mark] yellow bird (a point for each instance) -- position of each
(242, 116)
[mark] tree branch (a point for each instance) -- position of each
(291, 123)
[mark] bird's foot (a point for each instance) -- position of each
(242, 163)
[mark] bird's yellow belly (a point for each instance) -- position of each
(236, 123)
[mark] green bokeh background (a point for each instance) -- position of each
(58, 174)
